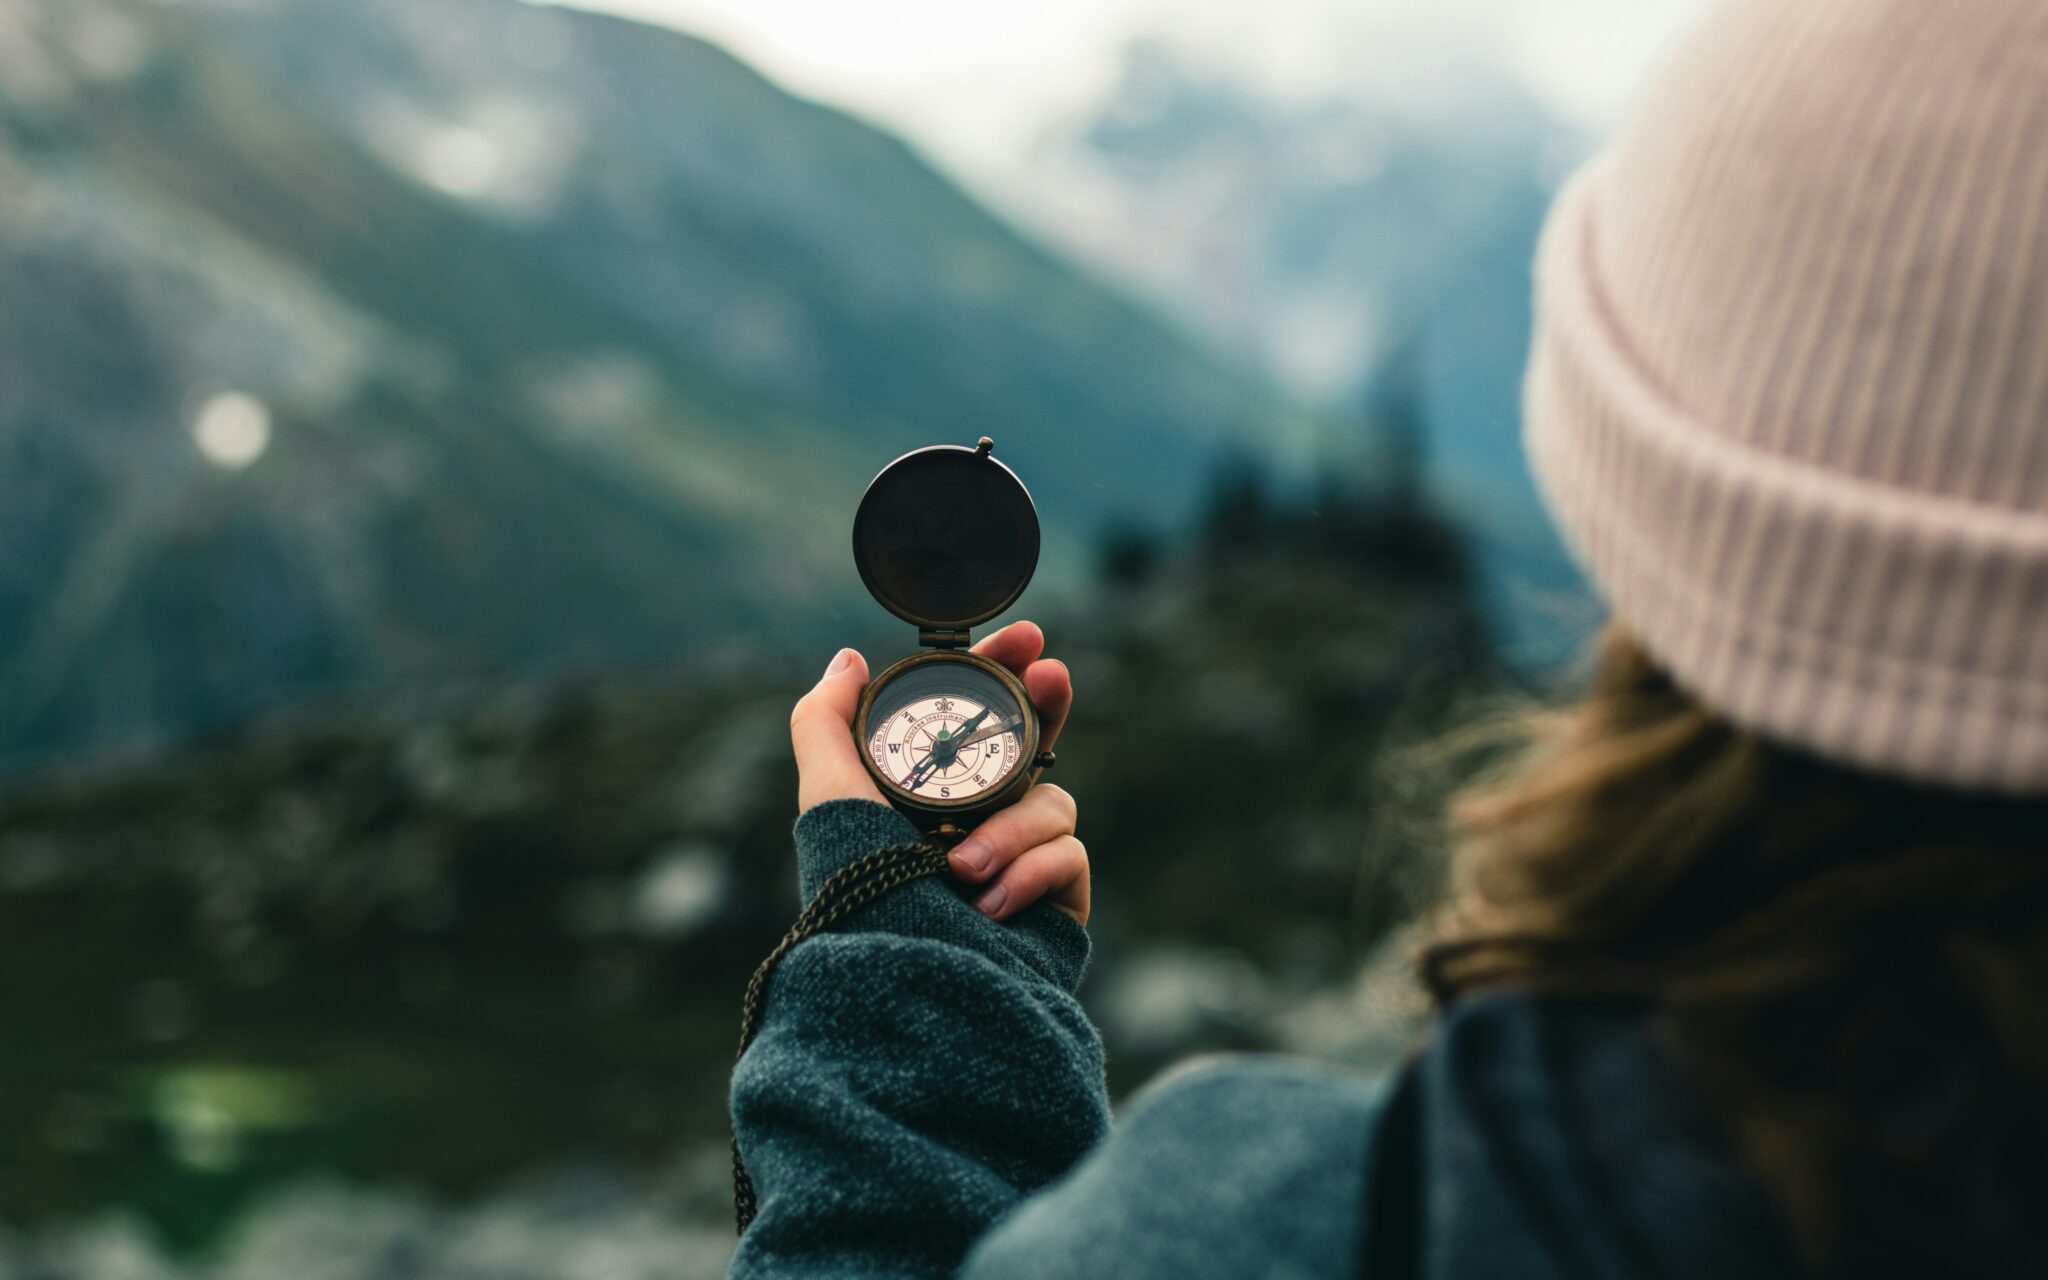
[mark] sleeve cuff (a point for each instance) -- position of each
(835, 833)
(1041, 938)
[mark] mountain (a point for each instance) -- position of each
(383, 343)
(1369, 249)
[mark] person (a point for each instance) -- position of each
(1743, 967)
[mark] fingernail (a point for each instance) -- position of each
(992, 901)
(840, 661)
(973, 855)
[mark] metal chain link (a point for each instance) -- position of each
(850, 888)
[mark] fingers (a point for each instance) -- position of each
(1056, 871)
(1027, 852)
(821, 732)
(1016, 646)
(1052, 692)
(1045, 813)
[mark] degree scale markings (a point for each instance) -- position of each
(939, 734)
(946, 745)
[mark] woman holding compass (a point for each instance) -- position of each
(1744, 970)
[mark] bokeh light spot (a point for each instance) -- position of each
(232, 429)
(461, 162)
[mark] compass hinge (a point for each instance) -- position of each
(943, 638)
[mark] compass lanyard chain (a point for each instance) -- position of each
(848, 889)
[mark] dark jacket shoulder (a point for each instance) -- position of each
(1529, 1138)
(1237, 1166)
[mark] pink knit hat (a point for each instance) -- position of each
(1789, 392)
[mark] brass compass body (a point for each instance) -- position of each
(946, 538)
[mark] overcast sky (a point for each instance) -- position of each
(974, 82)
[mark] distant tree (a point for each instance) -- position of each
(1128, 555)
(1397, 420)
(1240, 507)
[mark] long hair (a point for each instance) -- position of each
(1852, 969)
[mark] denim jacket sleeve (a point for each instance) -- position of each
(919, 1071)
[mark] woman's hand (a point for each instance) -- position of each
(1022, 853)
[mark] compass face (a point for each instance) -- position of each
(945, 733)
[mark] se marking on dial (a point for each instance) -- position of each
(946, 747)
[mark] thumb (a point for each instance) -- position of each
(821, 731)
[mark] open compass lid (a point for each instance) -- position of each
(946, 537)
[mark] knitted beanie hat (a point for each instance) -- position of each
(1789, 393)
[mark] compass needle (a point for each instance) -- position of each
(1007, 726)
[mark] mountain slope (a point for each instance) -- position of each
(569, 342)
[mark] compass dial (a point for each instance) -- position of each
(945, 733)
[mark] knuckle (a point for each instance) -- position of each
(1032, 876)
(1061, 802)
(807, 708)
(1044, 818)
(1002, 840)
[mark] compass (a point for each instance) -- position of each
(947, 538)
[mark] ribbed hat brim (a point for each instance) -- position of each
(1893, 628)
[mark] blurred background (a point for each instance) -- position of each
(429, 435)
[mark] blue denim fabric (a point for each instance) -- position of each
(926, 1099)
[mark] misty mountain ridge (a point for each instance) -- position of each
(1303, 231)
(1370, 250)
